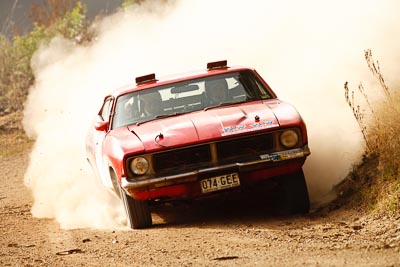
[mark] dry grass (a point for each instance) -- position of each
(375, 184)
(388, 148)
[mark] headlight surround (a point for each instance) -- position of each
(139, 165)
(289, 138)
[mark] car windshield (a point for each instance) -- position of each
(188, 96)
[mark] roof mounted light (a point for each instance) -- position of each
(217, 64)
(146, 79)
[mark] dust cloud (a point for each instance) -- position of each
(305, 50)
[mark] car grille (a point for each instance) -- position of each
(243, 149)
(185, 158)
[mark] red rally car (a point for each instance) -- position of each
(187, 137)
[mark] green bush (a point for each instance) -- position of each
(127, 3)
(15, 71)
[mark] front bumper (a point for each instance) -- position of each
(264, 163)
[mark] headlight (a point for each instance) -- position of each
(289, 138)
(139, 166)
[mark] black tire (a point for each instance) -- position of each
(137, 212)
(294, 194)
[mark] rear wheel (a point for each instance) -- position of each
(137, 212)
(294, 194)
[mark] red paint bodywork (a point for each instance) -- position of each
(193, 128)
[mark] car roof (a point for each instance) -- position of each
(170, 79)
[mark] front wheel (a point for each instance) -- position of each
(137, 212)
(294, 194)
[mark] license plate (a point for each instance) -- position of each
(220, 182)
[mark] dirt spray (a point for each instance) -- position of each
(305, 50)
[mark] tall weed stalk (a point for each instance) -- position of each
(381, 136)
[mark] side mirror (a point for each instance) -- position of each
(100, 124)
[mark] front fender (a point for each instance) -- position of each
(115, 156)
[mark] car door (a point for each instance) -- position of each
(101, 161)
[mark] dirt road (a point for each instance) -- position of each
(199, 235)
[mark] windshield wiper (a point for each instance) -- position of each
(227, 103)
(160, 116)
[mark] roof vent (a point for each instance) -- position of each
(146, 79)
(217, 64)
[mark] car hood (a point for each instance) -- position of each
(211, 124)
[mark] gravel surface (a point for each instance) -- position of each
(205, 234)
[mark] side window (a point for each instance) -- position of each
(261, 90)
(106, 109)
(253, 86)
